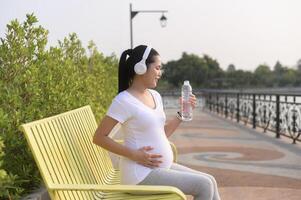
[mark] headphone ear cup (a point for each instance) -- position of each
(140, 68)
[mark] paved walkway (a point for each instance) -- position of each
(246, 163)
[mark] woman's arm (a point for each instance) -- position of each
(171, 126)
(101, 138)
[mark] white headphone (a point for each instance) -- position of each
(140, 67)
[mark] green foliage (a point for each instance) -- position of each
(205, 72)
(8, 182)
(239, 79)
(36, 82)
(263, 76)
(9, 186)
(189, 67)
(298, 74)
(284, 76)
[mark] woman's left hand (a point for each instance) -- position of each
(192, 100)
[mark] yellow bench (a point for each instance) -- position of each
(72, 167)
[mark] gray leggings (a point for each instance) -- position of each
(200, 185)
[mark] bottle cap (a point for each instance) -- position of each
(186, 82)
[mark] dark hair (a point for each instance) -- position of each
(126, 71)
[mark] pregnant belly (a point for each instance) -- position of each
(165, 151)
(158, 142)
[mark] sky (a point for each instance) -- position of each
(245, 33)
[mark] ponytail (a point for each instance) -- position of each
(123, 72)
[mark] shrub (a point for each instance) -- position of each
(36, 82)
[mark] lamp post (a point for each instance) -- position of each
(133, 13)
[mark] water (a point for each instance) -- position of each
(186, 108)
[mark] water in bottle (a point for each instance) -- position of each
(186, 108)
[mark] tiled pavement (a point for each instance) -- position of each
(246, 163)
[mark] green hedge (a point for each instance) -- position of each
(37, 82)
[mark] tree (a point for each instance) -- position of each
(215, 73)
(289, 78)
(299, 65)
(188, 67)
(231, 68)
(278, 74)
(230, 76)
(263, 76)
(298, 79)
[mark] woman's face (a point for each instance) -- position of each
(153, 73)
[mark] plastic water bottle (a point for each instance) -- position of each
(186, 109)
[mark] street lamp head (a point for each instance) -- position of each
(163, 20)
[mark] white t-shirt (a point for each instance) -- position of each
(141, 126)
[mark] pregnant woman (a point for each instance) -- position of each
(146, 156)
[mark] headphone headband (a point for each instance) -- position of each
(146, 52)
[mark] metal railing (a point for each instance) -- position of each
(279, 113)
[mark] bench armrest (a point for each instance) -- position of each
(174, 150)
(134, 189)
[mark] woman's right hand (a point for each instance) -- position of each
(142, 157)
